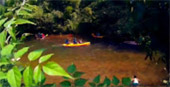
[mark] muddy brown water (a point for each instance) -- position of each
(98, 59)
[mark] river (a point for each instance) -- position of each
(98, 58)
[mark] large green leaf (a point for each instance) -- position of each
(7, 50)
(71, 68)
(12, 32)
(115, 80)
(126, 81)
(2, 38)
(23, 21)
(28, 76)
(2, 21)
(39, 76)
(107, 81)
(52, 68)
(65, 84)
(14, 77)
(35, 54)
(21, 52)
(3, 75)
(96, 79)
(80, 82)
(9, 23)
(45, 58)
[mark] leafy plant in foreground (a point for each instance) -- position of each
(36, 76)
(12, 74)
(31, 77)
(80, 82)
(77, 82)
(126, 82)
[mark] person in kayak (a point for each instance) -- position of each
(66, 41)
(98, 34)
(38, 36)
(80, 41)
(135, 81)
(74, 41)
(43, 36)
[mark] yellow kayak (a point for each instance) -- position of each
(76, 45)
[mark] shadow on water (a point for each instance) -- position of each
(104, 58)
(118, 46)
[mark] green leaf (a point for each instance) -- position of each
(4, 62)
(126, 81)
(14, 77)
(115, 80)
(121, 86)
(101, 85)
(28, 76)
(78, 74)
(52, 68)
(107, 81)
(65, 84)
(39, 76)
(2, 75)
(23, 37)
(96, 79)
(21, 52)
(26, 8)
(9, 23)
(35, 54)
(71, 68)
(45, 58)
(7, 50)
(65, 77)
(23, 21)
(21, 68)
(2, 21)
(49, 85)
(2, 38)
(12, 33)
(80, 82)
(23, 12)
(8, 14)
(92, 84)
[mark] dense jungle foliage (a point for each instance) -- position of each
(144, 21)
